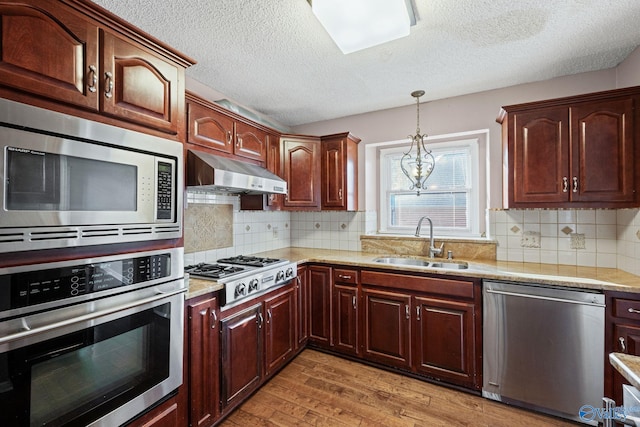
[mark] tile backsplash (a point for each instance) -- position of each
(580, 237)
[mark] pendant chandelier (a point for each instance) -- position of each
(417, 167)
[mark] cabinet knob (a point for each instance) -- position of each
(565, 184)
(93, 78)
(623, 346)
(108, 92)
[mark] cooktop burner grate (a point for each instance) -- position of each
(214, 271)
(251, 261)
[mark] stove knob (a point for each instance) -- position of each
(253, 285)
(289, 272)
(240, 290)
(280, 276)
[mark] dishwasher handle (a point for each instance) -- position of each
(542, 297)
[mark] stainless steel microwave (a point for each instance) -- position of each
(68, 181)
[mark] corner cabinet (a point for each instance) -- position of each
(579, 151)
(78, 58)
(339, 179)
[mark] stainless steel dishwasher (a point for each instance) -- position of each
(543, 347)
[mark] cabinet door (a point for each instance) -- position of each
(386, 324)
(241, 354)
(301, 168)
(274, 201)
(138, 86)
(302, 299)
(280, 329)
(539, 150)
(602, 147)
(333, 174)
(250, 142)
(345, 318)
(320, 305)
(49, 51)
(210, 129)
(204, 368)
(626, 339)
(444, 345)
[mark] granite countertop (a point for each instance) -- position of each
(556, 275)
(628, 365)
(197, 287)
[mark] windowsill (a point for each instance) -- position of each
(457, 239)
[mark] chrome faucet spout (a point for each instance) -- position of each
(433, 251)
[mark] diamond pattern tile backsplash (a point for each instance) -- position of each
(207, 226)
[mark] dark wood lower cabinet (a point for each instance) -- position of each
(444, 345)
(204, 362)
(279, 329)
(386, 324)
(241, 354)
(319, 277)
(345, 319)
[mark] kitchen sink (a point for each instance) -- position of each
(403, 261)
(450, 265)
(421, 263)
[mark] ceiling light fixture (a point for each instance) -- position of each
(417, 168)
(358, 24)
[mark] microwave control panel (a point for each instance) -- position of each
(165, 191)
(36, 287)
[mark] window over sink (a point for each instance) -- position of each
(452, 199)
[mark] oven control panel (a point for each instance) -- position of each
(40, 286)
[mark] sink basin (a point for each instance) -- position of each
(403, 261)
(451, 265)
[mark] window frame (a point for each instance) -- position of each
(473, 209)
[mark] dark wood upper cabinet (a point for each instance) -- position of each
(213, 127)
(138, 86)
(301, 169)
(340, 172)
(78, 58)
(49, 51)
(578, 151)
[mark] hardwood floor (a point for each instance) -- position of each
(317, 389)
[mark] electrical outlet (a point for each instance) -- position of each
(275, 232)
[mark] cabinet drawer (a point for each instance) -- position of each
(345, 276)
(433, 285)
(626, 308)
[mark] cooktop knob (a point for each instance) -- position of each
(253, 285)
(280, 276)
(240, 290)
(289, 272)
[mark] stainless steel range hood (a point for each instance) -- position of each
(222, 175)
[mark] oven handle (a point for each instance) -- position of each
(87, 317)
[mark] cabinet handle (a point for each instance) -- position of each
(93, 78)
(340, 193)
(575, 184)
(418, 312)
(347, 277)
(260, 320)
(353, 301)
(238, 141)
(214, 319)
(406, 311)
(269, 316)
(565, 184)
(633, 310)
(109, 82)
(228, 137)
(623, 347)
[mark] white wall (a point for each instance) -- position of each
(628, 72)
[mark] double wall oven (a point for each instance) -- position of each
(94, 340)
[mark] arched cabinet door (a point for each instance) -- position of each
(138, 86)
(301, 166)
(50, 52)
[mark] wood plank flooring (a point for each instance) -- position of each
(317, 389)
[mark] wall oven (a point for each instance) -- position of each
(68, 182)
(90, 343)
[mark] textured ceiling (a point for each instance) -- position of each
(274, 56)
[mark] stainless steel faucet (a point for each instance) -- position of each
(433, 251)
